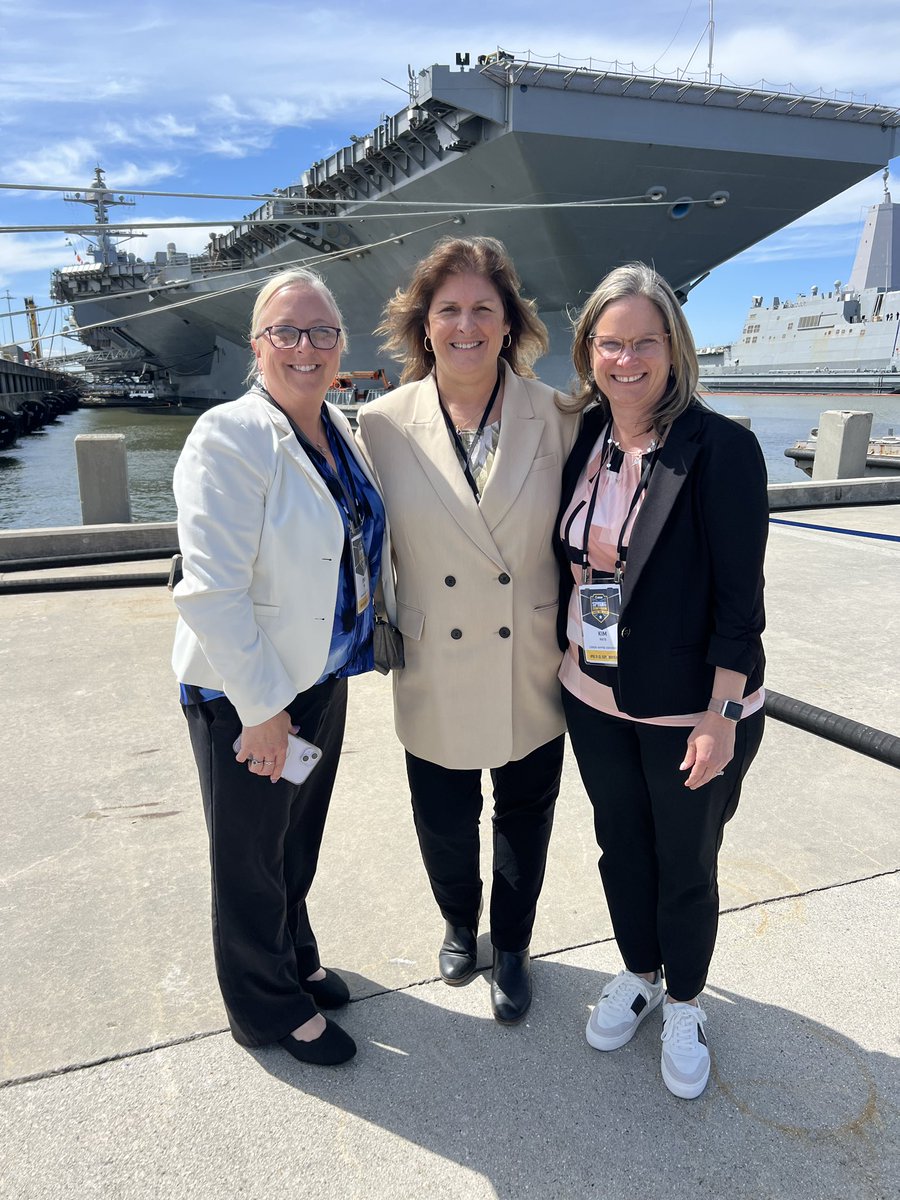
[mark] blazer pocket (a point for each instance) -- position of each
(544, 617)
(266, 610)
(410, 621)
(545, 462)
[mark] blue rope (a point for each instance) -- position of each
(881, 537)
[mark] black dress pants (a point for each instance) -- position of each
(264, 841)
(447, 806)
(659, 840)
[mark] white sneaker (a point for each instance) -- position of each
(623, 1004)
(685, 1055)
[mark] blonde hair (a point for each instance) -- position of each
(637, 279)
(405, 314)
(293, 277)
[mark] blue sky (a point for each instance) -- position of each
(233, 97)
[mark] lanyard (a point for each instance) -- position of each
(332, 479)
(466, 455)
(612, 458)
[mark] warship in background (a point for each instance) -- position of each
(847, 340)
(575, 169)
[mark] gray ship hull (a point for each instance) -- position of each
(705, 172)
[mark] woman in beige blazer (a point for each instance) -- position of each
(468, 455)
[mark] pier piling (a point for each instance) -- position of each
(103, 478)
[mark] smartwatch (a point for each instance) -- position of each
(729, 709)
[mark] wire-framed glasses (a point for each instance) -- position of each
(649, 345)
(286, 337)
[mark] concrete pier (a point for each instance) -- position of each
(119, 1080)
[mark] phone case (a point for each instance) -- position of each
(302, 757)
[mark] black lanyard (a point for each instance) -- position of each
(465, 456)
(332, 479)
(613, 457)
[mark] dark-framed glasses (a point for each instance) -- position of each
(286, 337)
(648, 345)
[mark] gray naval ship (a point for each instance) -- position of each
(844, 340)
(576, 170)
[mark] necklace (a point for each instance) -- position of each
(636, 453)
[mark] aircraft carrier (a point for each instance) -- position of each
(575, 170)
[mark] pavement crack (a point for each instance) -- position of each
(71, 1068)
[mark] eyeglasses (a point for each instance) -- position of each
(286, 337)
(651, 345)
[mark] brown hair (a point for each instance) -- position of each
(403, 320)
(637, 279)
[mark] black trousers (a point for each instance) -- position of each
(659, 840)
(447, 808)
(264, 841)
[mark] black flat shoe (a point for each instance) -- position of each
(330, 992)
(332, 1047)
(458, 956)
(510, 985)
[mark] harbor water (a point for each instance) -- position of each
(39, 483)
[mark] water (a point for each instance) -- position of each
(39, 479)
(39, 483)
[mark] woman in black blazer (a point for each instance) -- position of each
(661, 537)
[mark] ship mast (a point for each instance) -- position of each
(712, 38)
(100, 200)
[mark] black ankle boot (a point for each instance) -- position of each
(458, 956)
(511, 985)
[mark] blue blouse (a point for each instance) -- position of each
(351, 651)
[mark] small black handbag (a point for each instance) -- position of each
(387, 643)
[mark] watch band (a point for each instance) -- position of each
(731, 710)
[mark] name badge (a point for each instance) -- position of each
(360, 570)
(600, 606)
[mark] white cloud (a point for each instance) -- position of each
(130, 174)
(58, 163)
(20, 254)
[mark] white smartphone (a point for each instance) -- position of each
(302, 757)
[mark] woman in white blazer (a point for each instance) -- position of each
(283, 532)
(468, 455)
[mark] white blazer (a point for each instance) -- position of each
(262, 540)
(477, 584)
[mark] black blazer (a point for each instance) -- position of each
(692, 594)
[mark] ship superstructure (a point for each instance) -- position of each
(843, 340)
(574, 170)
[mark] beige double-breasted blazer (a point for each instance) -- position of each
(476, 584)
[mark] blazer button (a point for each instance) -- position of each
(450, 581)
(624, 631)
(504, 578)
(456, 634)
(503, 631)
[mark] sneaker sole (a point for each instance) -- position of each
(685, 1091)
(600, 1042)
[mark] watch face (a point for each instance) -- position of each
(732, 710)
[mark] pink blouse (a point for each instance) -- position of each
(614, 495)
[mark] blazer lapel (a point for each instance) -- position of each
(675, 460)
(435, 452)
(520, 436)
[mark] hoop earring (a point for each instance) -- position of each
(507, 341)
(428, 344)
